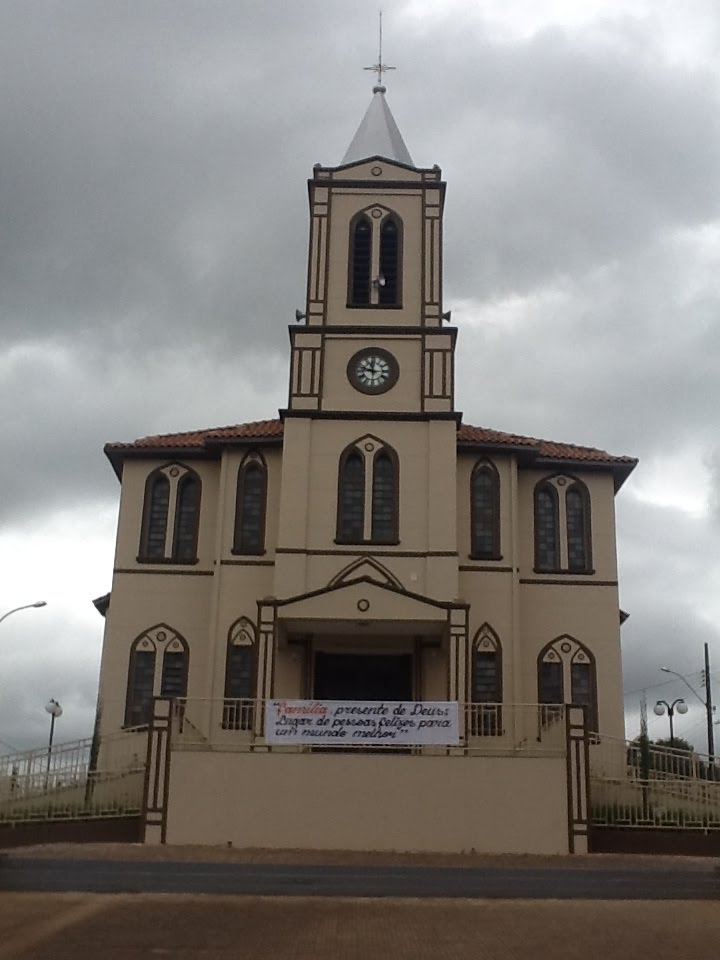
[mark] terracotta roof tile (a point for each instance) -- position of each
(467, 436)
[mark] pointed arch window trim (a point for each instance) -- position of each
(485, 468)
(173, 521)
(253, 461)
(559, 487)
(241, 666)
(370, 267)
(486, 667)
(158, 648)
(561, 685)
(366, 523)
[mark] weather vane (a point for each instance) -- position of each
(380, 68)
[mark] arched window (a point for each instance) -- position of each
(566, 674)
(158, 667)
(250, 506)
(240, 676)
(547, 530)
(171, 516)
(486, 683)
(351, 497)
(384, 498)
(360, 260)
(577, 509)
(157, 501)
(187, 515)
(485, 512)
(389, 287)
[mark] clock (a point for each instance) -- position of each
(372, 370)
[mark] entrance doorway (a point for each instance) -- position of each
(359, 676)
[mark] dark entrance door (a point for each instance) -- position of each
(350, 676)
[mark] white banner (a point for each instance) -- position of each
(356, 722)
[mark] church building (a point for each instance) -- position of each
(366, 547)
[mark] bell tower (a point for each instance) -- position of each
(373, 338)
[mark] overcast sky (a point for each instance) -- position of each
(153, 228)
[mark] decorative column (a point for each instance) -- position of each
(578, 778)
(457, 657)
(266, 642)
(157, 772)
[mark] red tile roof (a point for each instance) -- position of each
(467, 437)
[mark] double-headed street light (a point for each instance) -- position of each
(662, 705)
(26, 606)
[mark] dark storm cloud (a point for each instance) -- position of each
(153, 229)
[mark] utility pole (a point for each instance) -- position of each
(709, 707)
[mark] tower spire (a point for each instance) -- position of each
(380, 68)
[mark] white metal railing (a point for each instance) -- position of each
(69, 781)
(485, 728)
(643, 785)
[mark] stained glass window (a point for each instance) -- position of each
(186, 519)
(140, 693)
(384, 498)
(361, 258)
(352, 499)
(174, 674)
(250, 510)
(547, 544)
(389, 262)
(485, 513)
(577, 533)
(156, 517)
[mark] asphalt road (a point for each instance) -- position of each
(102, 876)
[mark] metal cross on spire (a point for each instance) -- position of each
(380, 68)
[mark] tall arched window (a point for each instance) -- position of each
(360, 260)
(566, 674)
(486, 683)
(351, 497)
(171, 516)
(159, 662)
(187, 513)
(485, 512)
(389, 262)
(250, 506)
(563, 540)
(240, 676)
(384, 498)
(577, 508)
(547, 529)
(157, 501)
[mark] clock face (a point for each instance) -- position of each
(373, 370)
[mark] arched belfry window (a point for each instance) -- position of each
(159, 663)
(486, 692)
(375, 259)
(389, 262)
(563, 539)
(368, 493)
(250, 505)
(566, 674)
(485, 512)
(171, 516)
(360, 260)
(240, 676)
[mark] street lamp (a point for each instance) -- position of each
(662, 705)
(26, 606)
(707, 702)
(55, 711)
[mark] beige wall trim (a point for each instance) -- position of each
(170, 572)
(368, 549)
(578, 778)
(562, 582)
(396, 417)
(247, 563)
(157, 772)
(483, 568)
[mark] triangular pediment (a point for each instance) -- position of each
(368, 568)
(363, 599)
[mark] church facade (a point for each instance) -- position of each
(367, 546)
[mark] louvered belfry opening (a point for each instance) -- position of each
(186, 519)
(157, 517)
(361, 260)
(389, 262)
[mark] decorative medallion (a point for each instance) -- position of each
(376, 213)
(376, 171)
(373, 370)
(363, 605)
(561, 481)
(565, 647)
(369, 447)
(161, 635)
(174, 472)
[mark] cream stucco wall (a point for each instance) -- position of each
(369, 802)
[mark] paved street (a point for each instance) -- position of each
(257, 879)
(124, 927)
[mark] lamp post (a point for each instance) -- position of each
(662, 705)
(707, 702)
(55, 711)
(26, 606)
